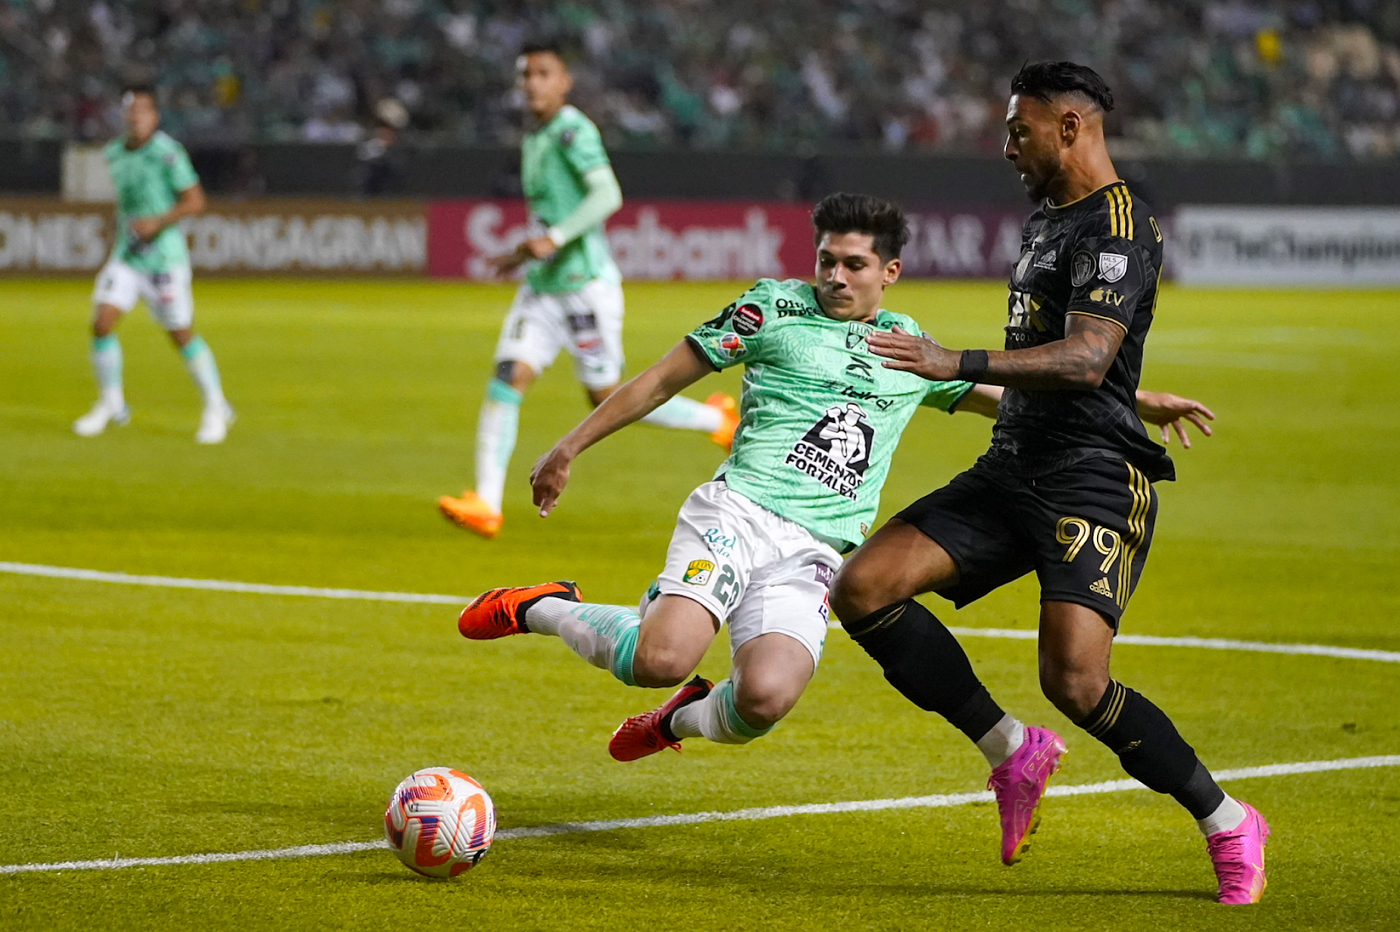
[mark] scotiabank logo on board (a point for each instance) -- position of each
(651, 240)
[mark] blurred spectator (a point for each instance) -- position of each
(1256, 78)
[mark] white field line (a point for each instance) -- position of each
(223, 585)
(937, 801)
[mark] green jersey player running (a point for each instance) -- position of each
(572, 295)
(156, 188)
(758, 545)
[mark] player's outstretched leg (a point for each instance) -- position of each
(1074, 650)
(662, 651)
(770, 672)
(217, 415)
(106, 355)
(921, 658)
(718, 416)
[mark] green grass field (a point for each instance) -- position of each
(140, 722)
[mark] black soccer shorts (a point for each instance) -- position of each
(1085, 530)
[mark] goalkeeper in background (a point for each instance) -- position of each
(572, 295)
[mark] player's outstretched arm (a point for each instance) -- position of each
(980, 399)
(1168, 411)
(636, 399)
(1078, 362)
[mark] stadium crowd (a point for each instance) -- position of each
(1309, 78)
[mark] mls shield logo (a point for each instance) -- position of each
(1112, 266)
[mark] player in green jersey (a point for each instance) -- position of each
(572, 295)
(756, 546)
(156, 188)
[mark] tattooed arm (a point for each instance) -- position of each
(1078, 362)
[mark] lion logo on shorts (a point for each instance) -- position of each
(698, 572)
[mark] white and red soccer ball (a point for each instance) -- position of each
(440, 822)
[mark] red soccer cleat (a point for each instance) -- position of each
(498, 613)
(648, 733)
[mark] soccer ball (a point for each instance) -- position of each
(440, 822)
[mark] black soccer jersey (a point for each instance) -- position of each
(1100, 255)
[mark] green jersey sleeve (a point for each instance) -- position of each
(179, 173)
(582, 146)
(944, 395)
(735, 335)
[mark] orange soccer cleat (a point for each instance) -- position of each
(498, 613)
(651, 732)
(471, 513)
(729, 413)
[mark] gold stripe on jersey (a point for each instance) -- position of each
(1113, 225)
(1127, 210)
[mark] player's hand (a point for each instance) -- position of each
(145, 228)
(918, 355)
(548, 478)
(1168, 411)
(502, 266)
(537, 247)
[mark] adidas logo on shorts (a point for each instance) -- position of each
(1102, 588)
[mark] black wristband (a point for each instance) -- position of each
(972, 365)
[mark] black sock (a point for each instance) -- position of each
(1151, 750)
(923, 660)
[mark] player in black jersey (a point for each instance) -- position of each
(1065, 489)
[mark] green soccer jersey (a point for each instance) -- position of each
(819, 416)
(148, 182)
(553, 161)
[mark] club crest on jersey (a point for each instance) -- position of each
(856, 334)
(698, 572)
(836, 450)
(747, 319)
(566, 138)
(1112, 266)
(1081, 269)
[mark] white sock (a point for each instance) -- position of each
(686, 414)
(1002, 741)
(715, 717)
(496, 429)
(107, 367)
(199, 360)
(604, 635)
(1227, 816)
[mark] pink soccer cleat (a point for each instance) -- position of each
(1019, 782)
(1238, 858)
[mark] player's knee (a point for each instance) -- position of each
(656, 667)
(762, 701)
(1075, 691)
(856, 593)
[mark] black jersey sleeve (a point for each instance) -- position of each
(1109, 278)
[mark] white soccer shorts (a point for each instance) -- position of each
(587, 322)
(760, 572)
(168, 294)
